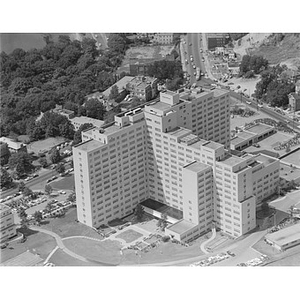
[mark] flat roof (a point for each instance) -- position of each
(4, 207)
(219, 92)
(111, 129)
(159, 105)
(236, 140)
(288, 173)
(245, 135)
(284, 204)
(232, 160)
(266, 160)
(198, 144)
(196, 166)
(292, 158)
(24, 259)
(120, 84)
(89, 145)
(285, 235)
(179, 131)
(213, 145)
(182, 226)
(83, 120)
(259, 128)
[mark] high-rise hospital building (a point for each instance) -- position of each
(173, 152)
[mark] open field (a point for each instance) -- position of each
(103, 251)
(66, 183)
(67, 226)
(60, 258)
(37, 243)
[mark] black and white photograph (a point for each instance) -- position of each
(148, 148)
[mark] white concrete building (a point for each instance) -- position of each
(7, 225)
(161, 152)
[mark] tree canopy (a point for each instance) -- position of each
(252, 63)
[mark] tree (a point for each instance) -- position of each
(20, 162)
(43, 162)
(21, 186)
(72, 197)
(5, 178)
(77, 135)
(162, 222)
(114, 92)
(48, 189)
(55, 156)
(50, 206)
(38, 217)
(138, 212)
(5, 154)
(23, 216)
(60, 168)
(27, 191)
(95, 109)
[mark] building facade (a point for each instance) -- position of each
(7, 225)
(174, 151)
(163, 38)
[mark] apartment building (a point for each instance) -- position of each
(161, 152)
(163, 38)
(7, 225)
(143, 87)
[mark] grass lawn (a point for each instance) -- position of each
(129, 235)
(60, 258)
(37, 243)
(67, 226)
(106, 251)
(66, 183)
(292, 260)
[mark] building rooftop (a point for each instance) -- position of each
(292, 158)
(182, 226)
(196, 166)
(245, 135)
(232, 160)
(4, 207)
(266, 160)
(236, 140)
(284, 204)
(121, 84)
(83, 120)
(219, 92)
(259, 128)
(90, 145)
(160, 105)
(179, 131)
(289, 173)
(213, 145)
(285, 235)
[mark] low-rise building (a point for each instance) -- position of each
(7, 225)
(78, 121)
(143, 87)
(285, 238)
(163, 38)
(250, 135)
(13, 146)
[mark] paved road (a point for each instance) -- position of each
(266, 110)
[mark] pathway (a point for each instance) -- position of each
(202, 246)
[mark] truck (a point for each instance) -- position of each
(198, 73)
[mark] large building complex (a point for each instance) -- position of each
(174, 151)
(7, 225)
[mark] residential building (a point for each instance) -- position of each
(78, 121)
(172, 152)
(64, 112)
(217, 40)
(7, 225)
(294, 98)
(120, 84)
(144, 87)
(13, 146)
(163, 38)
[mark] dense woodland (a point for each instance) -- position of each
(63, 72)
